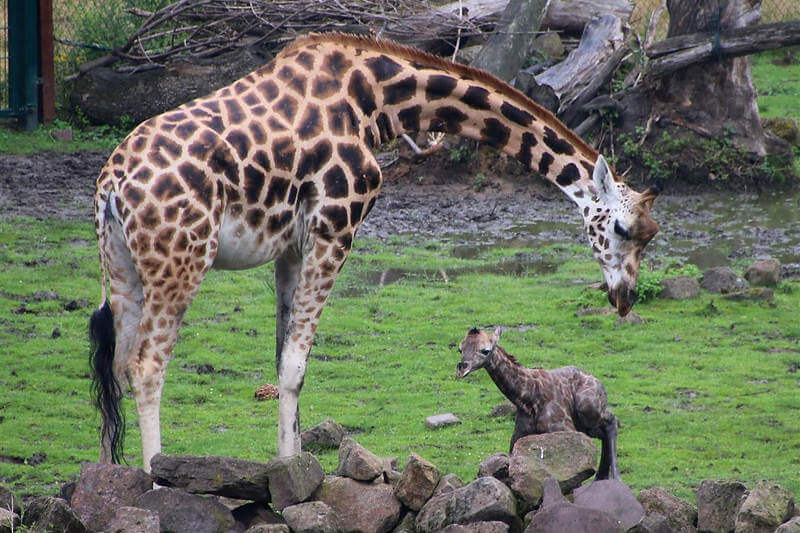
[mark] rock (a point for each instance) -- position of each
(101, 488)
(9, 520)
(568, 456)
(792, 526)
(633, 319)
(765, 508)
(679, 288)
(51, 515)
(312, 517)
(785, 128)
(269, 528)
(293, 479)
(484, 500)
(8, 500)
(326, 434)
(181, 512)
(361, 506)
(448, 483)
(442, 420)
(468, 54)
(496, 466)
(764, 273)
(682, 515)
(717, 504)
(406, 525)
(417, 483)
(356, 462)
(550, 44)
(477, 527)
(752, 294)
(612, 497)
(721, 280)
(224, 476)
(558, 515)
(133, 520)
(64, 135)
(652, 523)
(255, 514)
(503, 409)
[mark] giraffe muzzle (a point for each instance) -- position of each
(622, 298)
(463, 369)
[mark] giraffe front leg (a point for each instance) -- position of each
(317, 273)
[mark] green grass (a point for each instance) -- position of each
(101, 138)
(706, 388)
(778, 84)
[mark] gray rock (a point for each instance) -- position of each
(223, 476)
(406, 525)
(652, 523)
(722, 280)
(390, 473)
(550, 44)
(764, 273)
(181, 512)
(312, 517)
(558, 515)
(477, 527)
(679, 288)
(612, 497)
(568, 456)
(784, 127)
(293, 479)
(682, 515)
(765, 508)
(327, 434)
(102, 488)
(792, 526)
(254, 514)
(496, 466)
(269, 528)
(133, 520)
(441, 420)
(356, 462)
(632, 319)
(448, 483)
(51, 515)
(717, 504)
(9, 521)
(417, 483)
(484, 500)
(361, 506)
(752, 294)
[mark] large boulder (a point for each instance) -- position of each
(360, 506)
(326, 434)
(52, 515)
(682, 515)
(420, 478)
(568, 456)
(557, 515)
(718, 504)
(722, 280)
(102, 488)
(679, 288)
(765, 508)
(181, 512)
(484, 500)
(293, 479)
(133, 520)
(612, 497)
(224, 476)
(764, 273)
(105, 96)
(312, 517)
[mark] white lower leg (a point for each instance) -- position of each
(150, 429)
(290, 381)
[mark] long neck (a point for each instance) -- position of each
(509, 375)
(394, 89)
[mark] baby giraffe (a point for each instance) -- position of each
(563, 399)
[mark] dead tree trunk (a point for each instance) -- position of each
(717, 96)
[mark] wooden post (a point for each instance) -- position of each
(47, 95)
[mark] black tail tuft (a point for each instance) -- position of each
(106, 391)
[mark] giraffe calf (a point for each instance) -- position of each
(563, 399)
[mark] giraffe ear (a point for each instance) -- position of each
(603, 177)
(496, 336)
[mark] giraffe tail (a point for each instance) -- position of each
(105, 389)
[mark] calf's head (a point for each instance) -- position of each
(476, 349)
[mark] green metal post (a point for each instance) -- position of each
(23, 45)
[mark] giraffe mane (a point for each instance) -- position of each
(440, 63)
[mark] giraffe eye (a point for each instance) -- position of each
(622, 232)
(486, 351)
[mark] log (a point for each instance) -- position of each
(677, 53)
(577, 79)
(569, 16)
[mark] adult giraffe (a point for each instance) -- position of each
(278, 166)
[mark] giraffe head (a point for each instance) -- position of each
(618, 223)
(476, 349)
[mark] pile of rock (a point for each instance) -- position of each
(757, 283)
(521, 490)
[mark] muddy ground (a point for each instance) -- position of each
(484, 200)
